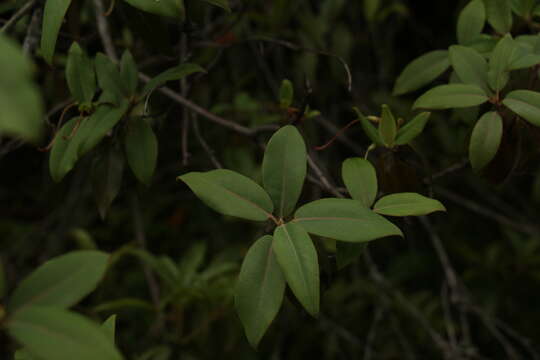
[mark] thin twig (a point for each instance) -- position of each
(327, 185)
(104, 31)
(33, 33)
(204, 144)
(26, 8)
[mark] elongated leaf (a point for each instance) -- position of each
(525, 53)
(347, 252)
(412, 129)
(451, 96)
(284, 169)
(471, 22)
(499, 15)
(259, 290)
(109, 328)
(64, 151)
(20, 101)
(499, 62)
(80, 74)
(422, 71)
(109, 78)
(470, 66)
(224, 4)
(107, 173)
(175, 73)
(298, 260)
(286, 94)
(407, 204)
(61, 281)
(526, 104)
(360, 178)
(387, 127)
(169, 8)
(522, 8)
(54, 333)
(141, 149)
(370, 130)
(345, 220)
(230, 193)
(129, 73)
(485, 140)
(53, 15)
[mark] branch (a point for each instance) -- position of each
(18, 15)
(104, 31)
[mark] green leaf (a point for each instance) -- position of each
(176, 73)
(80, 74)
(369, 129)
(224, 4)
(129, 73)
(109, 77)
(412, 129)
(231, 194)
(523, 8)
(61, 281)
(471, 22)
(407, 204)
(526, 104)
(499, 63)
(57, 334)
(169, 8)
(107, 173)
(259, 290)
(64, 151)
(470, 66)
(525, 54)
(298, 260)
(451, 96)
(360, 178)
(485, 140)
(23, 354)
(345, 220)
(286, 94)
(499, 15)
(109, 328)
(422, 71)
(141, 149)
(20, 100)
(347, 252)
(387, 127)
(284, 169)
(53, 15)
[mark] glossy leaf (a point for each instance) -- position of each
(499, 15)
(141, 149)
(284, 169)
(422, 71)
(407, 204)
(526, 104)
(412, 129)
(286, 94)
(471, 22)
(129, 73)
(485, 140)
(62, 281)
(224, 4)
(451, 96)
(53, 15)
(109, 78)
(347, 252)
(259, 290)
(54, 333)
(107, 173)
(230, 193)
(499, 63)
(109, 328)
(169, 8)
(345, 220)
(298, 260)
(64, 153)
(526, 53)
(360, 178)
(20, 100)
(176, 73)
(470, 66)
(387, 127)
(370, 130)
(80, 74)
